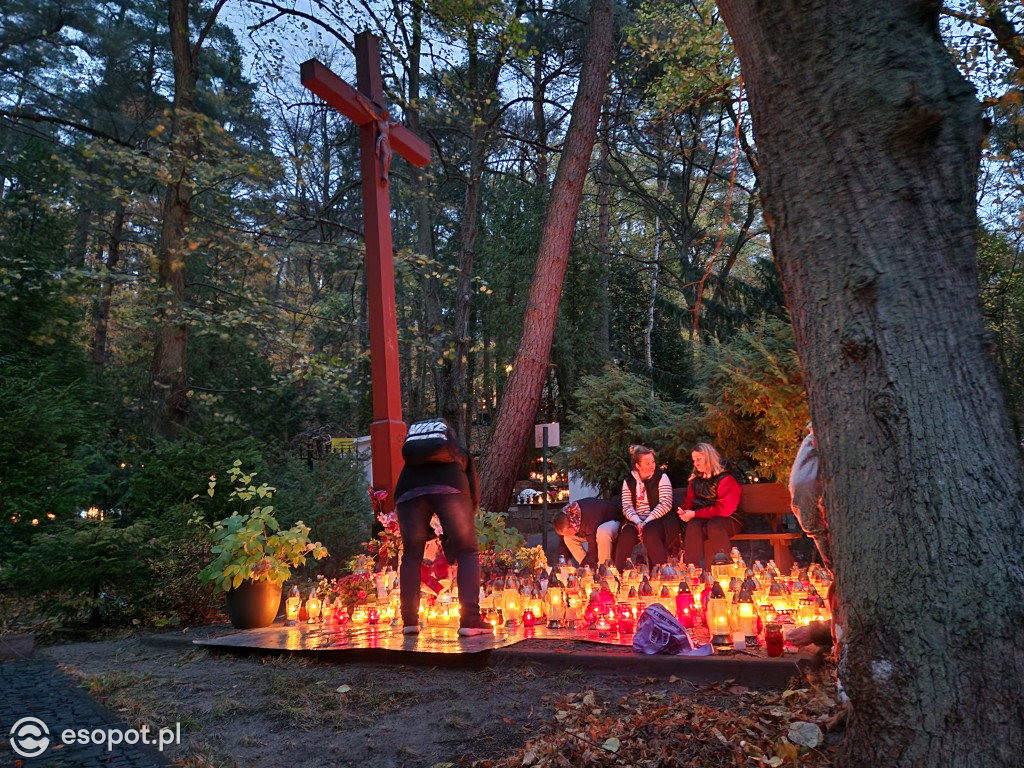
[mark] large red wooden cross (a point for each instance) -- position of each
(378, 134)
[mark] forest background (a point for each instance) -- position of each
(181, 263)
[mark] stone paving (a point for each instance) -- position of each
(37, 688)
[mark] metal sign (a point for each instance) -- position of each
(538, 435)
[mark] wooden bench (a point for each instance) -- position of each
(771, 503)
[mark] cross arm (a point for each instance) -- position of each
(359, 109)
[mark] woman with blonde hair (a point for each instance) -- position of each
(709, 509)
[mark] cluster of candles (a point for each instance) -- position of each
(384, 609)
(739, 602)
(735, 602)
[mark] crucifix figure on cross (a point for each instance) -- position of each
(379, 137)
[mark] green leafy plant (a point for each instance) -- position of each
(497, 543)
(250, 545)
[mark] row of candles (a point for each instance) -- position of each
(735, 602)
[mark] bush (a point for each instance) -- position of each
(754, 408)
(328, 494)
(87, 570)
(613, 411)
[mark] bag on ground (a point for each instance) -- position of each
(658, 631)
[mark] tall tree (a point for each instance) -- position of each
(521, 399)
(869, 140)
(170, 407)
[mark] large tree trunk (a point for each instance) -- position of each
(868, 141)
(170, 402)
(483, 86)
(514, 422)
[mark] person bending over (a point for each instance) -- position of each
(646, 502)
(593, 522)
(439, 478)
(709, 508)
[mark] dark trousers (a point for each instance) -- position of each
(456, 513)
(659, 538)
(716, 531)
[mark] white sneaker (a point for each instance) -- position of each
(475, 627)
(411, 630)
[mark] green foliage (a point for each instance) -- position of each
(1001, 268)
(87, 569)
(613, 411)
(163, 473)
(331, 494)
(250, 545)
(754, 408)
(496, 541)
(48, 418)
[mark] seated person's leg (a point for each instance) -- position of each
(673, 534)
(693, 542)
(606, 534)
(719, 531)
(624, 544)
(655, 542)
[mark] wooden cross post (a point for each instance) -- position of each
(378, 136)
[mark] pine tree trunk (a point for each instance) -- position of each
(603, 332)
(514, 423)
(868, 141)
(170, 402)
(101, 311)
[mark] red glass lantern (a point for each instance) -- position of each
(686, 611)
(624, 614)
(529, 619)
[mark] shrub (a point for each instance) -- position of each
(614, 410)
(87, 570)
(754, 408)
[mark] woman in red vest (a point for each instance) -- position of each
(709, 510)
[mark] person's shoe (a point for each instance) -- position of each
(411, 629)
(475, 626)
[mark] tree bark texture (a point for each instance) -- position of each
(521, 399)
(170, 402)
(868, 143)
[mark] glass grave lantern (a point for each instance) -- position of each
(625, 618)
(511, 606)
(718, 620)
(746, 615)
(721, 570)
(686, 611)
(291, 606)
(554, 600)
(313, 607)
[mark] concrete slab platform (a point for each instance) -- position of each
(442, 646)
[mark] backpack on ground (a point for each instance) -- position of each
(431, 442)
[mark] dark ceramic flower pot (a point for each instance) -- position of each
(254, 604)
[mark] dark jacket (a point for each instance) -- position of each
(593, 514)
(460, 475)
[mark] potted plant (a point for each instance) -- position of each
(254, 556)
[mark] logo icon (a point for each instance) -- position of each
(30, 737)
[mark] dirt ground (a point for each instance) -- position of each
(255, 711)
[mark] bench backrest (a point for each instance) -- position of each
(764, 499)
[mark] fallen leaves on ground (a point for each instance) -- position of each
(717, 726)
